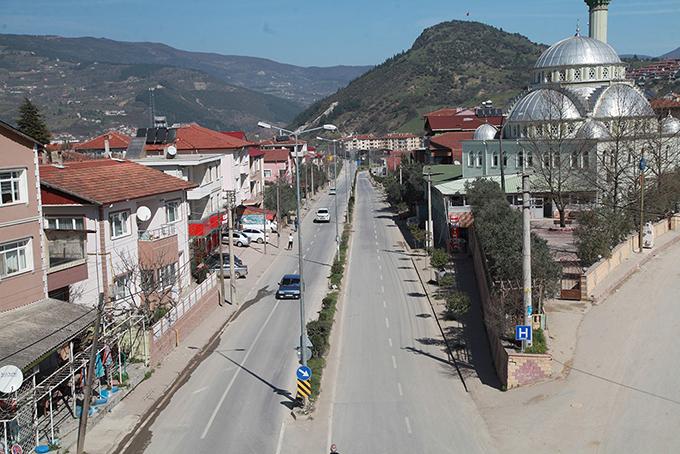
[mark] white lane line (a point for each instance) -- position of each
(377, 251)
(408, 425)
(200, 390)
(381, 277)
(376, 243)
(233, 378)
(279, 445)
(379, 266)
(382, 288)
(387, 322)
(394, 362)
(401, 391)
(379, 258)
(310, 243)
(389, 340)
(384, 304)
(307, 250)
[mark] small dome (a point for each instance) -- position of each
(669, 125)
(622, 100)
(544, 105)
(593, 129)
(578, 50)
(485, 132)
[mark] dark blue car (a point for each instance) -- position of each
(289, 287)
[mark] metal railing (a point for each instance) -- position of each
(157, 234)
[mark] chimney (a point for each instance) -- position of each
(599, 9)
(107, 148)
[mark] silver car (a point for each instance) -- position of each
(240, 268)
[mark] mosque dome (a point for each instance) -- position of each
(670, 125)
(578, 51)
(485, 132)
(622, 100)
(544, 105)
(593, 129)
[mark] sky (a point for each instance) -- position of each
(324, 32)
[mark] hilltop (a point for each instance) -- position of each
(454, 63)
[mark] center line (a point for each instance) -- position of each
(379, 266)
(394, 362)
(401, 391)
(387, 322)
(408, 424)
(382, 288)
(381, 277)
(389, 340)
(384, 304)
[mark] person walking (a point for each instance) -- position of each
(290, 241)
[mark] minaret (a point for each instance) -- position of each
(598, 18)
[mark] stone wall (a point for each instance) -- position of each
(524, 368)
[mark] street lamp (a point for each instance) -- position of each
(335, 184)
(295, 134)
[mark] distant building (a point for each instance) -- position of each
(394, 141)
(278, 164)
(110, 144)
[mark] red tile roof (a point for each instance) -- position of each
(276, 155)
(255, 152)
(195, 138)
(451, 141)
(237, 134)
(103, 181)
(444, 111)
(459, 122)
(117, 141)
(661, 103)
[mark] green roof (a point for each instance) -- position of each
(443, 172)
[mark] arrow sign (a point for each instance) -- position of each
(303, 373)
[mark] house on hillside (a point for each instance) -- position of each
(110, 144)
(278, 164)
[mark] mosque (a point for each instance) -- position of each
(579, 115)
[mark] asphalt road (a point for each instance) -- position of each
(236, 399)
(394, 390)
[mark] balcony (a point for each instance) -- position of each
(67, 257)
(158, 247)
(204, 190)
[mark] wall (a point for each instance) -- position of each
(599, 271)
(21, 221)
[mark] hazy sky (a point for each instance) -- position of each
(324, 32)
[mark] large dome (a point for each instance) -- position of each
(622, 100)
(593, 129)
(485, 132)
(670, 125)
(578, 51)
(544, 105)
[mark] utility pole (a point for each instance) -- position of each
(303, 327)
(221, 254)
(89, 378)
(643, 167)
(401, 178)
(526, 250)
(311, 172)
(231, 200)
(430, 230)
(279, 224)
(335, 185)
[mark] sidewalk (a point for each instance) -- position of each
(108, 431)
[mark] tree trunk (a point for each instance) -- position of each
(561, 210)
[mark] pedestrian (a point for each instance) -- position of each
(334, 449)
(290, 241)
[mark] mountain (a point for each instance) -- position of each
(298, 84)
(672, 55)
(454, 63)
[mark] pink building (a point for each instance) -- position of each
(278, 164)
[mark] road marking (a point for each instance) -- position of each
(379, 266)
(233, 378)
(389, 340)
(307, 250)
(379, 258)
(401, 391)
(200, 390)
(384, 304)
(376, 243)
(310, 243)
(377, 251)
(381, 277)
(387, 322)
(279, 445)
(382, 288)
(394, 362)
(408, 424)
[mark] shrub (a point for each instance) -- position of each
(439, 259)
(457, 305)
(538, 343)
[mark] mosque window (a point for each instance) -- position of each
(530, 159)
(577, 74)
(471, 159)
(546, 160)
(570, 128)
(494, 160)
(591, 73)
(539, 130)
(573, 160)
(478, 160)
(562, 76)
(616, 73)
(520, 160)
(586, 160)
(605, 73)
(524, 131)
(554, 129)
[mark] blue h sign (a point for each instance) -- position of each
(523, 333)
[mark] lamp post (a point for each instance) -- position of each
(502, 157)
(296, 133)
(335, 185)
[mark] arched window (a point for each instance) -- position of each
(520, 160)
(605, 73)
(573, 160)
(586, 160)
(570, 128)
(478, 160)
(577, 74)
(592, 73)
(494, 159)
(530, 159)
(471, 159)
(562, 76)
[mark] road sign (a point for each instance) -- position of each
(308, 353)
(530, 310)
(304, 389)
(16, 449)
(523, 333)
(304, 373)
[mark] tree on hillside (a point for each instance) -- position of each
(31, 123)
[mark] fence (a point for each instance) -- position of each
(176, 313)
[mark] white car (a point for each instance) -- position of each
(322, 215)
(331, 191)
(237, 238)
(254, 234)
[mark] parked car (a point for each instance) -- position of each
(322, 215)
(272, 226)
(289, 287)
(254, 234)
(331, 191)
(240, 268)
(238, 238)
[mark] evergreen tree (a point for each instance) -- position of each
(30, 122)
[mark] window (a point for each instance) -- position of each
(478, 159)
(148, 280)
(471, 159)
(605, 73)
(15, 258)
(577, 74)
(530, 159)
(573, 161)
(562, 76)
(120, 224)
(570, 128)
(592, 73)
(267, 173)
(172, 213)
(65, 223)
(554, 129)
(12, 187)
(494, 160)
(520, 160)
(539, 130)
(167, 276)
(120, 287)
(586, 160)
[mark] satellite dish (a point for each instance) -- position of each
(143, 213)
(171, 151)
(11, 379)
